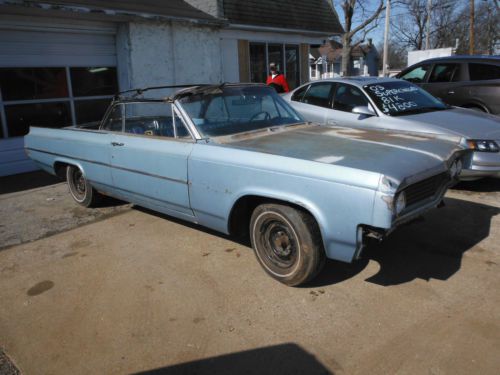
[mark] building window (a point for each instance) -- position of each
(285, 56)
(258, 65)
(53, 97)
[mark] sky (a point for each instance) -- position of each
(377, 34)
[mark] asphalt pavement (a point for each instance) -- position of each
(120, 289)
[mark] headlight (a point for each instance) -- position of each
(483, 145)
(400, 203)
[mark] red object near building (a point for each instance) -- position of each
(278, 82)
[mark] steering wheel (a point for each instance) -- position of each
(267, 116)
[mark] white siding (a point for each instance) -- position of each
(40, 49)
(230, 64)
(34, 42)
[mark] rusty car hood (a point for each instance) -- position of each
(398, 155)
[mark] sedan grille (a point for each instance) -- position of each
(425, 189)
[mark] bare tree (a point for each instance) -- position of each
(487, 27)
(410, 23)
(356, 12)
(397, 55)
(449, 22)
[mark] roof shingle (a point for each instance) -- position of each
(310, 15)
(145, 8)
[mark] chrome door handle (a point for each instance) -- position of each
(117, 144)
(451, 92)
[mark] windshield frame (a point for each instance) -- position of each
(435, 103)
(224, 90)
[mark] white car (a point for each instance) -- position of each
(393, 104)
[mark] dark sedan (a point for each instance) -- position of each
(464, 81)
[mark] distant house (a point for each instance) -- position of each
(326, 60)
(62, 60)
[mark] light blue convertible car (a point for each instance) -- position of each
(238, 159)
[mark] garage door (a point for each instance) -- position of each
(52, 74)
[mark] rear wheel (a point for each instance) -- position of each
(81, 190)
(287, 243)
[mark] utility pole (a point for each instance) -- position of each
(471, 32)
(386, 38)
(428, 24)
(489, 38)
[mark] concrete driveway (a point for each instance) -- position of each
(132, 291)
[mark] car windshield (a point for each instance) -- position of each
(237, 109)
(400, 98)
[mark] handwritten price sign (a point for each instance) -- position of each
(393, 99)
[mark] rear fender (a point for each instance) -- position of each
(64, 160)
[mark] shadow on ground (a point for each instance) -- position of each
(244, 241)
(26, 181)
(273, 360)
(429, 248)
(484, 185)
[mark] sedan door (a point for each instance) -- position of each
(345, 99)
(444, 82)
(314, 104)
(149, 159)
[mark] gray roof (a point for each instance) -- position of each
(310, 15)
(465, 58)
(150, 9)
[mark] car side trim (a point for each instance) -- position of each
(185, 182)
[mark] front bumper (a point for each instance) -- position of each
(484, 164)
(365, 231)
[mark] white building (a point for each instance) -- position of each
(61, 61)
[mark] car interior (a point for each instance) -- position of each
(160, 126)
(346, 98)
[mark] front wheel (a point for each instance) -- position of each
(287, 243)
(81, 190)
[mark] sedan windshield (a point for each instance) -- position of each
(400, 98)
(237, 109)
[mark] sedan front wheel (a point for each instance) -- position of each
(287, 243)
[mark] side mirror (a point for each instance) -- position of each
(364, 110)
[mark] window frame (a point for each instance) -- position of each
(303, 87)
(333, 89)
(282, 63)
(456, 72)
(426, 76)
(71, 99)
(174, 111)
(337, 85)
(469, 63)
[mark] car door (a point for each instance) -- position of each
(149, 158)
(314, 103)
(483, 84)
(444, 81)
(346, 97)
(417, 75)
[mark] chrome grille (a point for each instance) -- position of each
(425, 189)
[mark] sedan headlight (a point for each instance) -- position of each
(400, 203)
(483, 145)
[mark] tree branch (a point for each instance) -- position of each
(368, 20)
